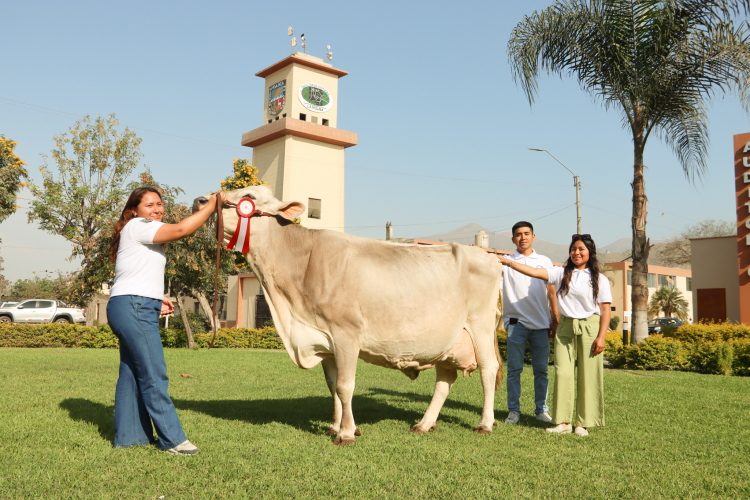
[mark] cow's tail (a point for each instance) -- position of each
(499, 377)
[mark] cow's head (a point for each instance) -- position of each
(264, 201)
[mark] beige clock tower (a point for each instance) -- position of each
(299, 151)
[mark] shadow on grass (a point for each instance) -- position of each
(306, 414)
(84, 410)
(309, 414)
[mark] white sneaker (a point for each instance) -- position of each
(544, 417)
(561, 429)
(513, 417)
(581, 431)
(184, 448)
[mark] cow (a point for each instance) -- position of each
(335, 298)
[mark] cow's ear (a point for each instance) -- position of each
(291, 209)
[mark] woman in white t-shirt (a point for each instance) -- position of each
(584, 297)
(136, 301)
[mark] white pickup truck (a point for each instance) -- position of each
(41, 311)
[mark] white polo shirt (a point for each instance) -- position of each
(139, 268)
(579, 303)
(525, 298)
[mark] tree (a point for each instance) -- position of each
(677, 251)
(58, 288)
(669, 300)
(12, 175)
(657, 63)
(245, 174)
(91, 184)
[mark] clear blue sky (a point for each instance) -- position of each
(443, 129)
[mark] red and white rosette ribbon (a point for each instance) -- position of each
(240, 241)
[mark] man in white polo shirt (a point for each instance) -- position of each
(529, 315)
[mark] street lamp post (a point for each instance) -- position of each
(576, 183)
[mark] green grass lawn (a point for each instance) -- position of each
(259, 422)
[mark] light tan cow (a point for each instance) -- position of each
(336, 297)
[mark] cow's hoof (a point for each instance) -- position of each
(357, 432)
(494, 424)
(418, 429)
(331, 432)
(340, 441)
(482, 430)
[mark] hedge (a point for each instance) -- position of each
(705, 348)
(57, 335)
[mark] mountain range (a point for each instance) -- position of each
(615, 251)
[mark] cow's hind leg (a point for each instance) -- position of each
(444, 378)
(488, 360)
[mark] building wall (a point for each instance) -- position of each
(297, 75)
(715, 263)
(617, 272)
(241, 294)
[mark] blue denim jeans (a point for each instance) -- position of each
(538, 340)
(141, 395)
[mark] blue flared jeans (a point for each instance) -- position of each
(538, 340)
(141, 396)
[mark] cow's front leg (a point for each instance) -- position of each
(346, 373)
(444, 378)
(331, 374)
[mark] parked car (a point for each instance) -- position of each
(41, 311)
(656, 324)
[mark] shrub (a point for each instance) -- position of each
(198, 322)
(741, 364)
(708, 332)
(259, 338)
(56, 335)
(657, 353)
(614, 322)
(613, 349)
(712, 357)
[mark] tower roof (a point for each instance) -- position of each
(304, 60)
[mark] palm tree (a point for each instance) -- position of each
(669, 300)
(657, 63)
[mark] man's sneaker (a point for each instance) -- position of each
(561, 429)
(544, 417)
(186, 448)
(513, 417)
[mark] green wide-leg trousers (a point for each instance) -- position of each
(581, 396)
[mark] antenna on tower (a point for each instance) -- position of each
(329, 54)
(304, 44)
(290, 32)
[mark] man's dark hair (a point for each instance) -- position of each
(522, 223)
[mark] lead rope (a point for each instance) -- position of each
(219, 243)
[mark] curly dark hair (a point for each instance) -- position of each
(127, 214)
(592, 265)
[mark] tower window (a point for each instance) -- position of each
(269, 121)
(284, 115)
(314, 119)
(277, 118)
(303, 117)
(313, 208)
(325, 121)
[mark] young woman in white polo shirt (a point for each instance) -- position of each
(136, 301)
(584, 297)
